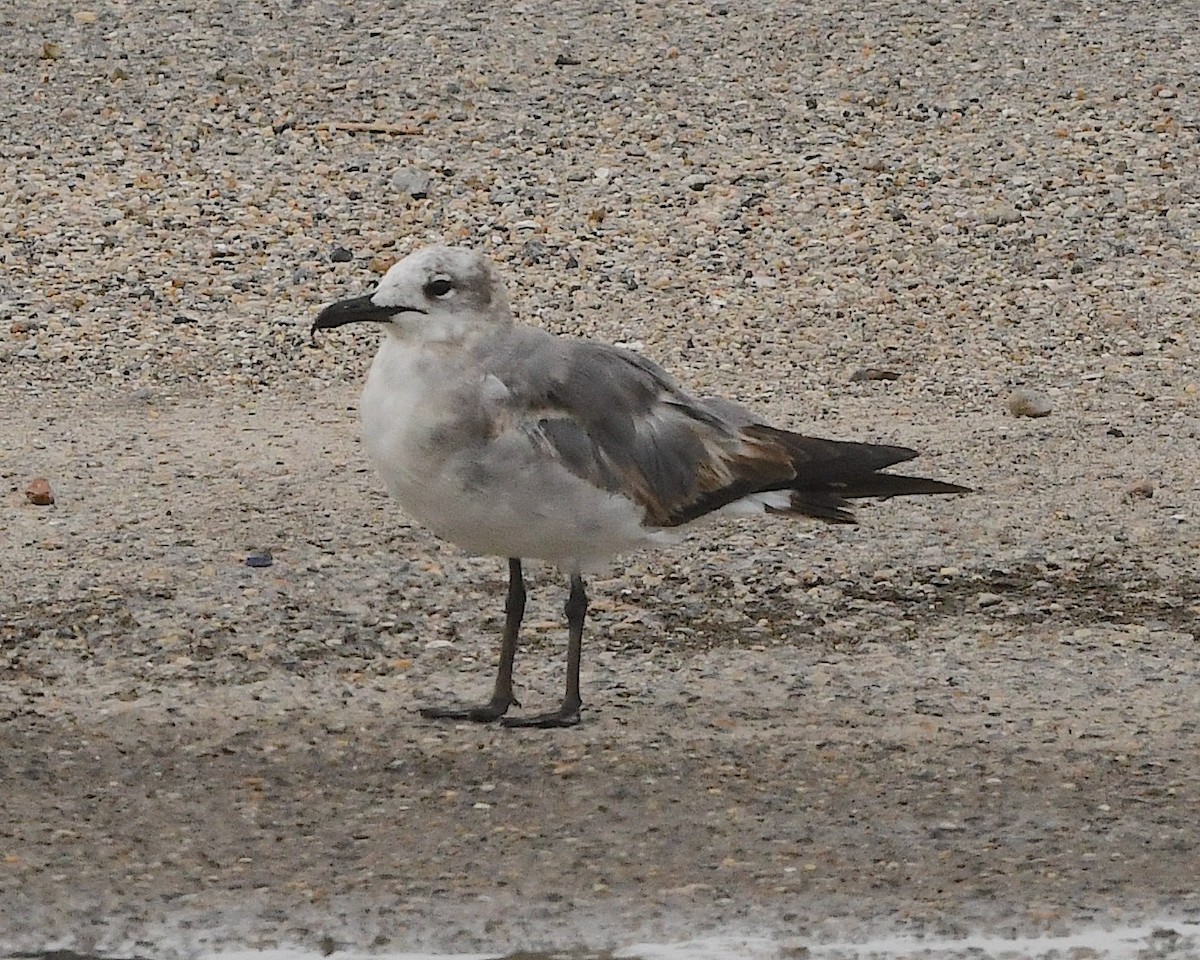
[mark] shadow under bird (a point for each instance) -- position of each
(510, 441)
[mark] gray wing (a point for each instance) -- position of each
(620, 422)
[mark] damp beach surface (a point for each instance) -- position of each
(879, 222)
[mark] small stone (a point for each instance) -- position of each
(1029, 403)
(411, 181)
(340, 255)
(1001, 214)
(983, 600)
(1140, 490)
(39, 493)
(51, 51)
(232, 77)
(695, 181)
(261, 559)
(873, 373)
(566, 60)
(380, 264)
(533, 251)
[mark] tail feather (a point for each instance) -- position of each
(830, 473)
(828, 507)
(833, 505)
(897, 485)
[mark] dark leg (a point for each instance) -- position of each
(502, 694)
(566, 715)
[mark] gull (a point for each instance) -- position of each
(513, 442)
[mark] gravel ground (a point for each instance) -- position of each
(974, 713)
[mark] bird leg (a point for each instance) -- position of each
(502, 694)
(567, 715)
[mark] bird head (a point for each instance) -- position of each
(436, 293)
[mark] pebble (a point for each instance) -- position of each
(39, 493)
(533, 251)
(1001, 214)
(873, 373)
(1029, 403)
(1140, 490)
(413, 182)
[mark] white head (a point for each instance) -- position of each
(436, 293)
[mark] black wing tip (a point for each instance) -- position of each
(887, 485)
(831, 504)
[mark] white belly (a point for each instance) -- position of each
(489, 492)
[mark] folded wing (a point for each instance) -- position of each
(620, 422)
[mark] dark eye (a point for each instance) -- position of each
(438, 288)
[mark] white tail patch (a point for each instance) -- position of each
(757, 504)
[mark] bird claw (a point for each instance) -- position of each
(565, 716)
(476, 713)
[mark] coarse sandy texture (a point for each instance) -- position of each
(977, 712)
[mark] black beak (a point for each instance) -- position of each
(352, 311)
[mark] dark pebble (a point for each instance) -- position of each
(873, 373)
(341, 255)
(263, 559)
(533, 251)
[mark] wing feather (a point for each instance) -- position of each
(620, 422)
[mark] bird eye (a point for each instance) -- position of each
(438, 288)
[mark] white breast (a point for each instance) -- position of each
(488, 491)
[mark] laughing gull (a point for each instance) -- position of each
(510, 441)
